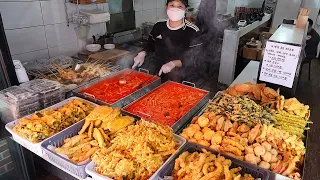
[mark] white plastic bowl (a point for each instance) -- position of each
(93, 47)
(109, 46)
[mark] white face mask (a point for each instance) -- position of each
(175, 14)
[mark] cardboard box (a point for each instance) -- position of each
(302, 22)
(303, 18)
(251, 53)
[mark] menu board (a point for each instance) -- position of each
(279, 63)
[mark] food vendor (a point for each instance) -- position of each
(169, 39)
(313, 39)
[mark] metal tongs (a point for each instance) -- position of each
(139, 86)
(123, 78)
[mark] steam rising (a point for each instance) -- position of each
(204, 60)
(200, 61)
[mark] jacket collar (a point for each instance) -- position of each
(183, 26)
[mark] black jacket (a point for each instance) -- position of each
(311, 48)
(170, 44)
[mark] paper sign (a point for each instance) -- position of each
(279, 63)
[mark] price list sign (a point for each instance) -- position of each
(279, 63)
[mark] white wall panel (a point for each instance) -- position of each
(60, 34)
(53, 11)
(26, 39)
(20, 14)
(67, 50)
(32, 56)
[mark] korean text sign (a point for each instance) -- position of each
(279, 63)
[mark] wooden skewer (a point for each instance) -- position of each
(88, 58)
(99, 58)
(96, 62)
(52, 73)
(42, 75)
(59, 67)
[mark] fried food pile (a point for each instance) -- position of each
(266, 96)
(103, 122)
(213, 131)
(262, 145)
(256, 124)
(293, 106)
(205, 166)
(240, 109)
(100, 126)
(136, 152)
(78, 148)
(292, 116)
(291, 123)
(44, 124)
(261, 94)
(88, 72)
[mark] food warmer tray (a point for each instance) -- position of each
(57, 141)
(36, 147)
(96, 176)
(184, 119)
(255, 171)
(125, 100)
(273, 175)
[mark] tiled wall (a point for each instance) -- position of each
(154, 10)
(38, 29)
(6, 163)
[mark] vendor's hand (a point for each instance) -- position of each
(308, 37)
(166, 68)
(139, 59)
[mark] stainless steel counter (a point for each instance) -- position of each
(289, 34)
(249, 74)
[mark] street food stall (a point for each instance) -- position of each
(91, 117)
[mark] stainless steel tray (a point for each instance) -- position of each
(36, 147)
(168, 167)
(125, 100)
(273, 176)
(184, 119)
(96, 176)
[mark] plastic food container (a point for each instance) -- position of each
(50, 92)
(255, 171)
(96, 176)
(57, 141)
(36, 147)
(16, 102)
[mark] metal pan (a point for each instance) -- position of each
(273, 176)
(125, 100)
(184, 119)
(167, 169)
(96, 176)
